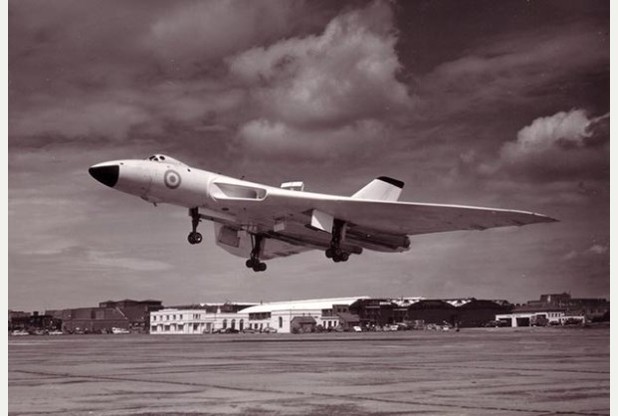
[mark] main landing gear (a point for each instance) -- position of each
(194, 237)
(254, 262)
(334, 251)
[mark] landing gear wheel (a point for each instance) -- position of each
(259, 267)
(337, 255)
(334, 251)
(197, 237)
(254, 262)
(194, 238)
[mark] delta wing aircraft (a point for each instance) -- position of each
(261, 222)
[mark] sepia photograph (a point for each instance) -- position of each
(308, 207)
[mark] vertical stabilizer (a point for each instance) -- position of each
(381, 189)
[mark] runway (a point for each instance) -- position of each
(501, 371)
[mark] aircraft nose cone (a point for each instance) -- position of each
(107, 175)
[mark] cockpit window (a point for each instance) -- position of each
(166, 159)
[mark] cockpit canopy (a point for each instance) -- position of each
(165, 159)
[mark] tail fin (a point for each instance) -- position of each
(381, 189)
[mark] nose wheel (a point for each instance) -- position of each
(254, 262)
(194, 237)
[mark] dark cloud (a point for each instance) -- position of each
(83, 70)
(508, 73)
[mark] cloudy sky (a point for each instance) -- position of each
(502, 104)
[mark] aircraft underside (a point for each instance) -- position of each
(264, 242)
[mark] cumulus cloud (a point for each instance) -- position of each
(598, 249)
(562, 130)
(112, 118)
(593, 252)
(265, 136)
(325, 85)
(566, 145)
(202, 31)
(149, 65)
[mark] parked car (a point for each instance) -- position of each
(226, 331)
(495, 324)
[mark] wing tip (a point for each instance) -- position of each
(395, 182)
(544, 218)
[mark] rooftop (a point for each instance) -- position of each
(302, 304)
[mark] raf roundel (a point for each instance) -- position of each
(171, 179)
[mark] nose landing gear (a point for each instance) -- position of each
(194, 237)
(254, 262)
(335, 252)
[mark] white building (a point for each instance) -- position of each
(272, 316)
(534, 317)
(194, 321)
(279, 315)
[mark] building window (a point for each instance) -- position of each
(280, 322)
(224, 323)
(241, 325)
(233, 324)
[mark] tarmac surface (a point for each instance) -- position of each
(501, 371)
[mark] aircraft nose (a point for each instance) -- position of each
(107, 175)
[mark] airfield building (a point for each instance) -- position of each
(127, 314)
(312, 315)
(527, 315)
(282, 317)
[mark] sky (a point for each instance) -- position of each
(499, 104)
